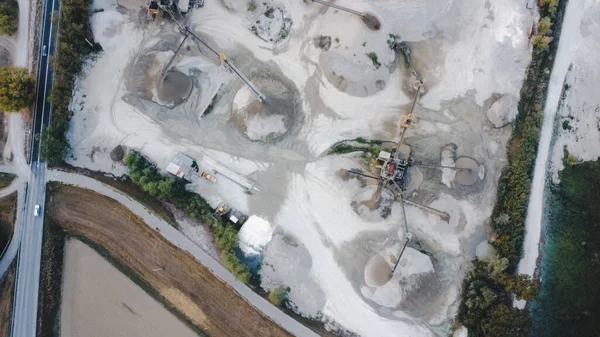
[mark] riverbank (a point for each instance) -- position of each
(570, 27)
(569, 300)
(486, 308)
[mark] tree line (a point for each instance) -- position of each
(488, 290)
(72, 47)
(144, 174)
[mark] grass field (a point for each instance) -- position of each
(8, 208)
(184, 284)
(7, 285)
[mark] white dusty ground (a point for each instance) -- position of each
(581, 106)
(468, 54)
(98, 300)
(576, 65)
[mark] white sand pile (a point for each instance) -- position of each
(484, 250)
(461, 332)
(503, 111)
(254, 235)
(253, 119)
(391, 293)
(446, 236)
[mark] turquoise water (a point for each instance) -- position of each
(569, 300)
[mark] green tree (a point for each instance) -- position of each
(9, 15)
(17, 87)
(478, 297)
(279, 296)
(166, 188)
(505, 321)
(496, 265)
(521, 285)
(53, 146)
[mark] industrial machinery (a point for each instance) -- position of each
(370, 20)
(394, 165)
(221, 210)
(208, 176)
(393, 171)
(186, 32)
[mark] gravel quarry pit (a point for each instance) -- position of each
(468, 54)
(270, 120)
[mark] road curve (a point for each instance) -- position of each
(181, 241)
(11, 250)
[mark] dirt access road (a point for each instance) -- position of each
(191, 288)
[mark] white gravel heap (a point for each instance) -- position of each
(503, 111)
(254, 235)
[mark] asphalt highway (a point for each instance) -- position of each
(25, 307)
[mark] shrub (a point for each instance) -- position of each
(374, 58)
(541, 42)
(544, 26)
(278, 296)
(251, 6)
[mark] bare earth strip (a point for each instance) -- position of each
(184, 283)
(7, 286)
(8, 208)
(98, 300)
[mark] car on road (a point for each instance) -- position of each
(44, 51)
(36, 210)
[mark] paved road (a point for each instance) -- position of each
(30, 253)
(181, 241)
